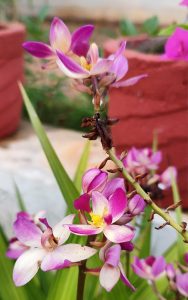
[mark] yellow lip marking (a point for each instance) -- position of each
(84, 63)
(96, 220)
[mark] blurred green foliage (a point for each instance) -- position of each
(149, 26)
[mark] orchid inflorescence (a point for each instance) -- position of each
(107, 209)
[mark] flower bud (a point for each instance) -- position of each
(128, 246)
(94, 180)
(136, 205)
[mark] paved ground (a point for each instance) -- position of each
(23, 162)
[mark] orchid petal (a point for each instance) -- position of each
(128, 82)
(112, 255)
(27, 232)
(182, 284)
(109, 276)
(99, 203)
(83, 203)
(158, 266)
(62, 256)
(85, 229)
(60, 36)
(15, 249)
(102, 66)
(112, 185)
(118, 234)
(124, 278)
(93, 53)
(117, 204)
(69, 67)
(94, 179)
(80, 40)
(60, 232)
(27, 266)
(38, 49)
(119, 67)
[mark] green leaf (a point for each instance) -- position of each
(127, 28)
(170, 29)
(65, 285)
(82, 166)
(151, 25)
(66, 185)
(19, 198)
(144, 239)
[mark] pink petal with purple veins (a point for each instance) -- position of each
(60, 36)
(38, 49)
(27, 232)
(27, 266)
(61, 231)
(112, 185)
(69, 67)
(99, 203)
(117, 204)
(158, 266)
(109, 276)
(124, 278)
(83, 203)
(84, 229)
(112, 255)
(118, 234)
(80, 40)
(128, 82)
(102, 66)
(182, 284)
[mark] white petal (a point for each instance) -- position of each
(27, 266)
(109, 276)
(61, 232)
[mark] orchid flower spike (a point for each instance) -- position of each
(46, 249)
(103, 216)
(75, 44)
(112, 270)
(150, 268)
(140, 161)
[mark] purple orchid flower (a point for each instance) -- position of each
(62, 40)
(150, 268)
(184, 2)
(112, 270)
(94, 180)
(104, 214)
(177, 45)
(166, 178)
(140, 161)
(136, 205)
(119, 69)
(84, 67)
(46, 249)
(182, 284)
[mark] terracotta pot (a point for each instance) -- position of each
(11, 71)
(158, 103)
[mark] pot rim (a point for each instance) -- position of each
(7, 28)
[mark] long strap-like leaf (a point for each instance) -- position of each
(66, 185)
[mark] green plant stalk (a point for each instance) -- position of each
(157, 210)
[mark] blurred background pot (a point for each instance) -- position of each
(11, 71)
(157, 104)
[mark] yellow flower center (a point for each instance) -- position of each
(96, 220)
(84, 63)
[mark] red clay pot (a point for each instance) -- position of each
(11, 71)
(158, 103)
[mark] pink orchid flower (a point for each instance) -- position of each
(177, 45)
(61, 39)
(16, 248)
(46, 249)
(84, 67)
(182, 284)
(112, 270)
(184, 2)
(140, 161)
(150, 268)
(167, 177)
(104, 214)
(119, 69)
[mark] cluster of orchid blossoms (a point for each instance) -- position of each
(152, 268)
(79, 60)
(104, 212)
(143, 164)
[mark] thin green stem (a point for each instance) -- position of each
(157, 210)
(156, 291)
(81, 281)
